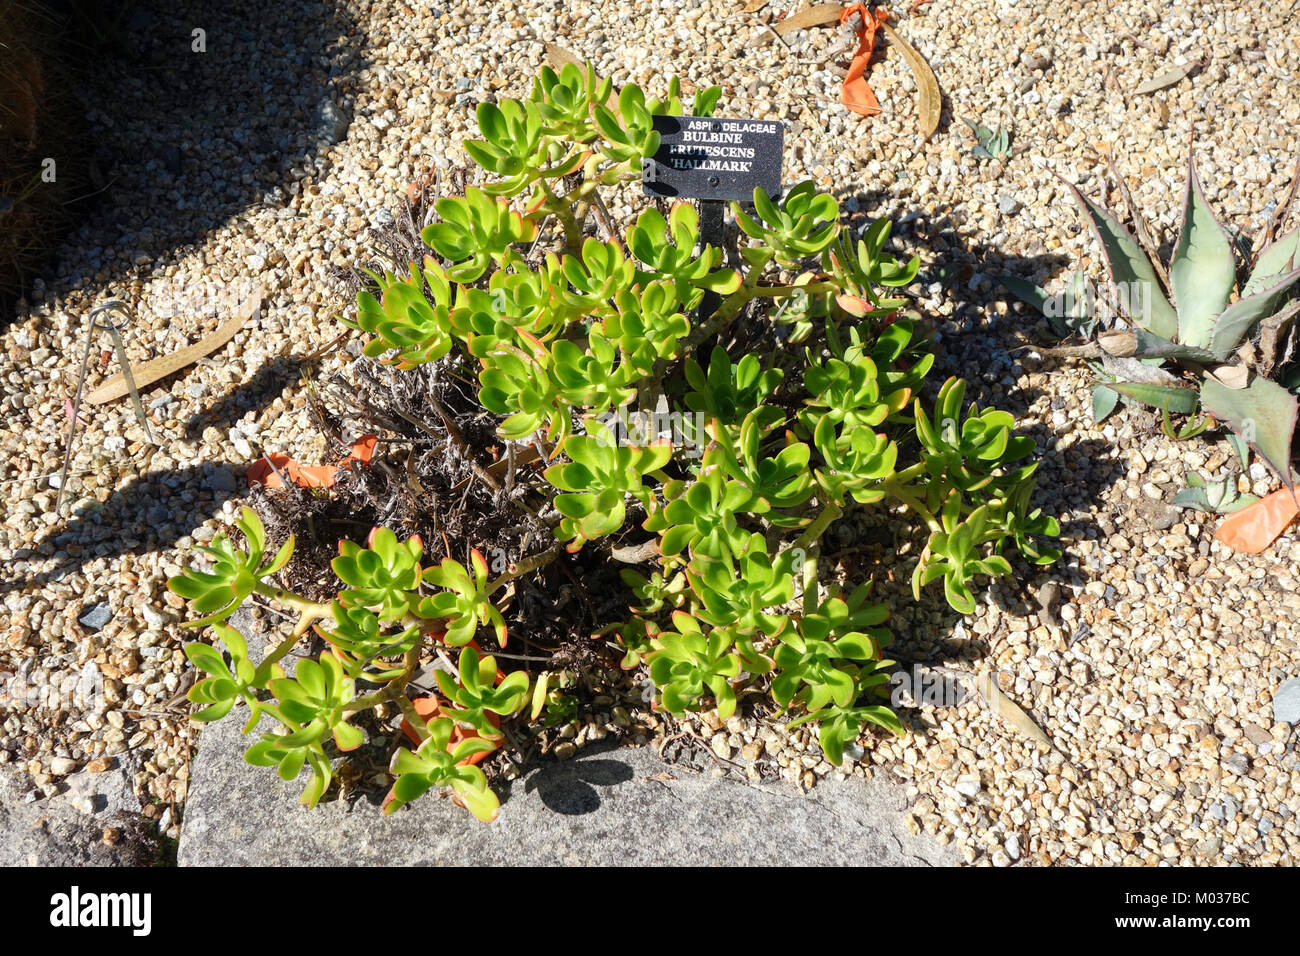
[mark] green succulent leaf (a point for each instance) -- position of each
(1104, 400)
(1203, 270)
(384, 576)
(1131, 270)
(1276, 261)
(1263, 414)
(1238, 320)
(234, 575)
(1174, 398)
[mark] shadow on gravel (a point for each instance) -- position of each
(570, 786)
(199, 111)
(984, 348)
(254, 394)
(147, 513)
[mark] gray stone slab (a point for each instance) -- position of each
(616, 807)
(611, 806)
(67, 829)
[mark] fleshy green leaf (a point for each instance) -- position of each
(1263, 414)
(1203, 270)
(1104, 400)
(1131, 270)
(1180, 401)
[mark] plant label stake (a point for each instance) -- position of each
(713, 160)
(115, 331)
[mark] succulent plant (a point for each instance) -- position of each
(989, 143)
(439, 763)
(765, 451)
(1212, 497)
(475, 692)
(383, 576)
(217, 593)
(1194, 337)
(465, 600)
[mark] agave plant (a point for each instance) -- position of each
(1195, 338)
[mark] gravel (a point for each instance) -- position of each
(1154, 673)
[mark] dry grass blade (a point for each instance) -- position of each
(1009, 710)
(150, 372)
(931, 100)
(1165, 79)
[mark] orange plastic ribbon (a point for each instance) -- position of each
(856, 94)
(1254, 527)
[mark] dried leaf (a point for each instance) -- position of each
(1166, 79)
(150, 372)
(819, 15)
(524, 455)
(560, 57)
(1120, 344)
(1008, 709)
(1134, 370)
(268, 469)
(1230, 376)
(931, 100)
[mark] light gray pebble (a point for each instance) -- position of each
(1286, 702)
(96, 616)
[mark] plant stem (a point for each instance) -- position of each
(290, 599)
(283, 648)
(541, 559)
(394, 690)
(776, 291)
(818, 527)
(562, 208)
(905, 495)
(811, 597)
(308, 610)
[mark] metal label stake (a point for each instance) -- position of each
(115, 332)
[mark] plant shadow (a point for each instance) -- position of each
(149, 512)
(569, 787)
(254, 394)
(988, 349)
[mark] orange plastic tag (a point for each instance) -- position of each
(1256, 526)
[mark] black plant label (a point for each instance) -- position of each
(712, 158)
